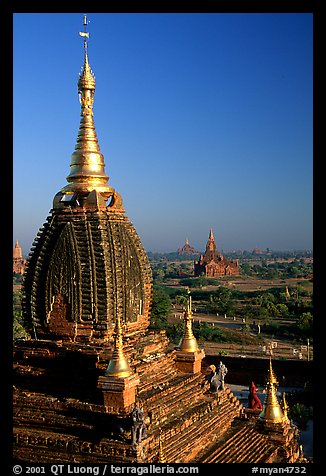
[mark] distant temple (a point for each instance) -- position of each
(258, 251)
(186, 249)
(18, 260)
(213, 263)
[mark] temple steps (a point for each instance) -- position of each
(204, 423)
(152, 376)
(244, 446)
(224, 453)
(180, 449)
(164, 403)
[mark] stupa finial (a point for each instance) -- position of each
(87, 171)
(85, 34)
(87, 78)
(271, 378)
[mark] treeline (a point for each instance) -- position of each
(294, 304)
(164, 271)
(161, 308)
(238, 254)
(278, 270)
(268, 307)
(174, 256)
(274, 302)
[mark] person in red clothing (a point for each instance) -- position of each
(253, 399)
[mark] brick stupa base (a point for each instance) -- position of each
(119, 392)
(189, 362)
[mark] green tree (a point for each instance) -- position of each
(19, 332)
(271, 308)
(175, 332)
(245, 329)
(268, 297)
(158, 274)
(206, 332)
(301, 414)
(16, 300)
(305, 323)
(202, 281)
(263, 313)
(221, 300)
(259, 299)
(282, 310)
(266, 301)
(245, 269)
(161, 306)
(181, 299)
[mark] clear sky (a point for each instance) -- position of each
(204, 121)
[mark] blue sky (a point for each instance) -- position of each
(204, 121)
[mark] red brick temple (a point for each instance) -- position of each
(213, 263)
(95, 384)
(18, 261)
(186, 249)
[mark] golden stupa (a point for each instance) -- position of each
(188, 343)
(272, 411)
(87, 268)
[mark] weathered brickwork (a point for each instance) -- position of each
(61, 415)
(84, 270)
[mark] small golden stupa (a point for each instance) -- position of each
(188, 343)
(118, 365)
(272, 411)
(285, 408)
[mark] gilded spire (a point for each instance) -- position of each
(271, 378)
(272, 412)
(188, 342)
(87, 163)
(285, 408)
(118, 365)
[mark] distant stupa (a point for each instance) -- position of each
(18, 261)
(186, 249)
